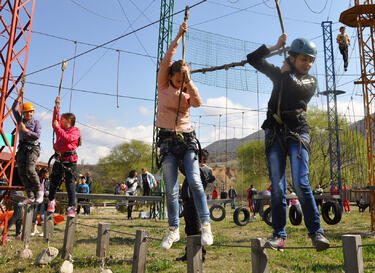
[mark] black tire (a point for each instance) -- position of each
(267, 216)
(336, 210)
(236, 216)
(222, 216)
(295, 215)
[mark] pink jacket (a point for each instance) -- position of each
(66, 140)
(168, 97)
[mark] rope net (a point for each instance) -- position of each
(206, 49)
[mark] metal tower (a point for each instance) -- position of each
(361, 16)
(16, 18)
(165, 38)
(331, 93)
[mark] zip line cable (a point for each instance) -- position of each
(135, 33)
(113, 40)
(316, 12)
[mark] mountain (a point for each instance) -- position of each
(218, 148)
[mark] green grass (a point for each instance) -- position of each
(218, 259)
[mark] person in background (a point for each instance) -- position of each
(117, 188)
(192, 224)
(17, 206)
(83, 188)
(89, 183)
(318, 191)
(346, 202)
(224, 193)
(232, 195)
(344, 42)
(251, 192)
(147, 181)
(131, 190)
(40, 208)
(215, 193)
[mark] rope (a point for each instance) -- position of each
(113, 40)
(316, 12)
(281, 22)
(183, 77)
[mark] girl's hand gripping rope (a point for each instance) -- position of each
(183, 29)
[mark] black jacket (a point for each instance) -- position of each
(297, 90)
(206, 177)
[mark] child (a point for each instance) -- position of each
(131, 190)
(177, 142)
(287, 132)
(28, 150)
(83, 188)
(40, 209)
(68, 138)
(192, 225)
(343, 41)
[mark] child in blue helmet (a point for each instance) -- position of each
(287, 133)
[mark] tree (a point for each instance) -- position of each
(123, 158)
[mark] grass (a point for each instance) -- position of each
(218, 259)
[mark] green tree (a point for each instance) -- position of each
(122, 159)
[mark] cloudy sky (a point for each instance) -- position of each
(57, 24)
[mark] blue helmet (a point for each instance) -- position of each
(303, 46)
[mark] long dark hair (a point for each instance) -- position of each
(175, 67)
(132, 173)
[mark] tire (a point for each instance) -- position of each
(236, 216)
(295, 215)
(326, 208)
(267, 216)
(222, 216)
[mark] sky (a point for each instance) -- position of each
(104, 123)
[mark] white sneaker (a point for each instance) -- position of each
(172, 237)
(206, 238)
(39, 197)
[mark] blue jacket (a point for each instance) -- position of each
(83, 188)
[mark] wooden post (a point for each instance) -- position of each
(353, 260)
(48, 225)
(259, 259)
(27, 224)
(102, 246)
(70, 230)
(194, 254)
(140, 252)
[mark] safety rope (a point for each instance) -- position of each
(64, 64)
(23, 80)
(187, 13)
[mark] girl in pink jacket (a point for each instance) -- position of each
(68, 138)
(177, 141)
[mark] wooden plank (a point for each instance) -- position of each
(27, 224)
(69, 235)
(111, 197)
(102, 246)
(259, 258)
(48, 225)
(140, 252)
(194, 254)
(353, 260)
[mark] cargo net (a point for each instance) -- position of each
(205, 49)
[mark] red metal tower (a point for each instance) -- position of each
(16, 17)
(362, 17)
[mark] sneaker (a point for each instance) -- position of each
(35, 230)
(319, 241)
(345, 68)
(85, 214)
(206, 238)
(41, 234)
(27, 201)
(254, 217)
(39, 197)
(51, 205)
(172, 237)
(275, 243)
(19, 236)
(71, 212)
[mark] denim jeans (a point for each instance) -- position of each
(276, 160)
(170, 175)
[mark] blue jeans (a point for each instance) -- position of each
(170, 175)
(276, 160)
